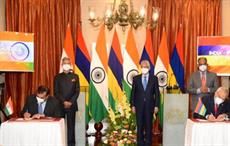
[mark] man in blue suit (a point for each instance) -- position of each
(145, 102)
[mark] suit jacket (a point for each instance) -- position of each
(51, 108)
(67, 88)
(195, 83)
(149, 97)
(209, 104)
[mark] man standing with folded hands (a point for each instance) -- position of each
(202, 83)
(67, 89)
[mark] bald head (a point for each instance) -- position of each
(222, 92)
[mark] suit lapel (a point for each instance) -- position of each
(199, 78)
(140, 80)
(35, 103)
(220, 109)
(207, 77)
(148, 84)
(46, 106)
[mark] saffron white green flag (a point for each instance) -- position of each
(98, 89)
(161, 71)
(130, 63)
(9, 107)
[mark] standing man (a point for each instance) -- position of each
(202, 83)
(66, 89)
(145, 102)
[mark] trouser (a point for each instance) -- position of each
(70, 116)
(144, 126)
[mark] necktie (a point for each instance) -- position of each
(40, 109)
(203, 80)
(145, 82)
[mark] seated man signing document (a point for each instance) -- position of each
(214, 108)
(41, 105)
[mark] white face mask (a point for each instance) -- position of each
(39, 99)
(144, 70)
(203, 68)
(66, 67)
(218, 100)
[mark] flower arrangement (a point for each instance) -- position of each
(122, 125)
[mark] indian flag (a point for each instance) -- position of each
(98, 88)
(9, 107)
(130, 63)
(115, 72)
(68, 50)
(161, 70)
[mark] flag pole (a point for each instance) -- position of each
(4, 113)
(3, 88)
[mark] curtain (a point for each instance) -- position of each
(197, 17)
(48, 20)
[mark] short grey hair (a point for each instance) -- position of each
(65, 58)
(145, 62)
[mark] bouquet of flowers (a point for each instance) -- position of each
(122, 125)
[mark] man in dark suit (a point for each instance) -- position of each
(202, 83)
(145, 102)
(217, 106)
(41, 105)
(67, 89)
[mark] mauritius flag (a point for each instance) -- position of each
(147, 53)
(115, 72)
(82, 61)
(177, 60)
(200, 108)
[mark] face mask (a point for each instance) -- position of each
(203, 68)
(218, 100)
(144, 70)
(66, 67)
(40, 99)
